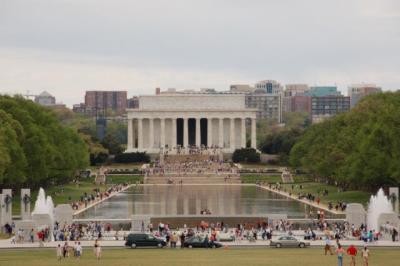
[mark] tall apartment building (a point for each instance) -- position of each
(327, 106)
(269, 105)
(358, 91)
(115, 101)
(133, 103)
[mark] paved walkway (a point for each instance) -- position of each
(6, 244)
(305, 201)
(82, 209)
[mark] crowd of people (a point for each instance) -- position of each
(200, 167)
(97, 195)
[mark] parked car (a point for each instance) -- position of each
(225, 236)
(288, 241)
(201, 242)
(144, 240)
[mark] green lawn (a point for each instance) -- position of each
(334, 195)
(253, 178)
(121, 257)
(61, 193)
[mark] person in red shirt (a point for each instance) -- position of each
(352, 251)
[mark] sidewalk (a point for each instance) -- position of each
(6, 244)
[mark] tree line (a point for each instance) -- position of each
(357, 149)
(35, 148)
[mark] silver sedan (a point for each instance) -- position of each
(288, 241)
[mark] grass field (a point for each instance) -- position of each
(334, 195)
(253, 178)
(231, 257)
(61, 194)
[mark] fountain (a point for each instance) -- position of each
(43, 213)
(378, 205)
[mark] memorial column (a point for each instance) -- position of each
(253, 133)
(243, 134)
(209, 132)
(140, 133)
(198, 132)
(130, 135)
(232, 135)
(173, 133)
(162, 134)
(221, 133)
(185, 132)
(151, 133)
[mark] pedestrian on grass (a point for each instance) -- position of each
(340, 253)
(65, 250)
(97, 250)
(79, 250)
(352, 252)
(59, 252)
(365, 255)
(328, 246)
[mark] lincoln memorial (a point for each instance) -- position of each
(182, 120)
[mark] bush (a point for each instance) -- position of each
(133, 157)
(247, 155)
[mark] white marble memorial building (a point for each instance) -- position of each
(170, 121)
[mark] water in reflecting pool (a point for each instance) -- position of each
(191, 199)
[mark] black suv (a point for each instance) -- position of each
(144, 240)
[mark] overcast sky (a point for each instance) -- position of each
(69, 46)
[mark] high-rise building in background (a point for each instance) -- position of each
(319, 91)
(115, 101)
(323, 107)
(295, 89)
(269, 86)
(241, 88)
(358, 91)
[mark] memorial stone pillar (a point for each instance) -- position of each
(232, 135)
(185, 132)
(151, 133)
(209, 132)
(130, 136)
(26, 203)
(243, 134)
(253, 134)
(173, 133)
(198, 133)
(6, 207)
(162, 130)
(221, 133)
(140, 134)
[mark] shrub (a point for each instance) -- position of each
(248, 155)
(133, 157)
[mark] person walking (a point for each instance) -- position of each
(328, 246)
(365, 255)
(59, 252)
(340, 253)
(79, 250)
(65, 250)
(182, 238)
(97, 250)
(352, 252)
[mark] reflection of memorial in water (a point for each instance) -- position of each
(190, 200)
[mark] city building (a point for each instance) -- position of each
(172, 120)
(133, 103)
(45, 99)
(115, 101)
(48, 100)
(241, 88)
(358, 91)
(298, 103)
(295, 89)
(269, 86)
(318, 91)
(327, 106)
(269, 106)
